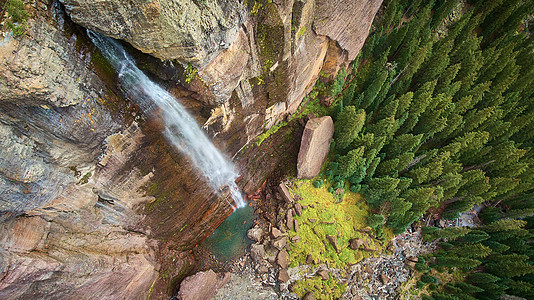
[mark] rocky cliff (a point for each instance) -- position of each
(94, 201)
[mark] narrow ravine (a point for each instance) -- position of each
(181, 128)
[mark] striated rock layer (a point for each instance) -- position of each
(94, 201)
(62, 235)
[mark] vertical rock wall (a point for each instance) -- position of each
(94, 201)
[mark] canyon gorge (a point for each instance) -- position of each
(95, 200)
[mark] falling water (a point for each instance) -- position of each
(180, 128)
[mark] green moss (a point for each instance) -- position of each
(321, 289)
(301, 32)
(342, 220)
(190, 73)
(269, 35)
(269, 132)
(151, 289)
(160, 197)
(17, 16)
(85, 178)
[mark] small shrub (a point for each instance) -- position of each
(318, 183)
(355, 188)
(419, 284)
(375, 220)
(428, 229)
(429, 279)
(338, 185)
(446, 246)
(420, 267)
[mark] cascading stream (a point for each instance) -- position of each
(180, 128)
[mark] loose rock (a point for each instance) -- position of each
(255, 233)
(280, 242)
(323, 274)
(298, 209)
(283, 259)
(289, 219)
(202, 285)
(285, 193)
(257, 252)
(283, 276)
(384, 278)
(355, 244)
(275, 232)
(314, 146)
(309, 260)
(333, 241)
(296, 225)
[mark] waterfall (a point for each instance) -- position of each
(180, 127)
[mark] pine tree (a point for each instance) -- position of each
(442, 11)
(373, 90)
(351, 162)
(436, 63)
(471, 251)
(403, 143)
(421, 100)
(348, 125)
(468, 288)
(510, 266)
(450, 233)
(374, 221)
(384, 128)
(477, 278)
(458, 262)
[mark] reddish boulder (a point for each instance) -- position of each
(314, 146)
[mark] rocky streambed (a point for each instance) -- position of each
(266, 271)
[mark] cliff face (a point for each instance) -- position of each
(94, 201)
(61, 236)
(190, 31)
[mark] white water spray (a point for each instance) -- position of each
(180, 128)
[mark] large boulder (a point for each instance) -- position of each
(202, 285)
(257, 252)
(255, 233)
(314, 146)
